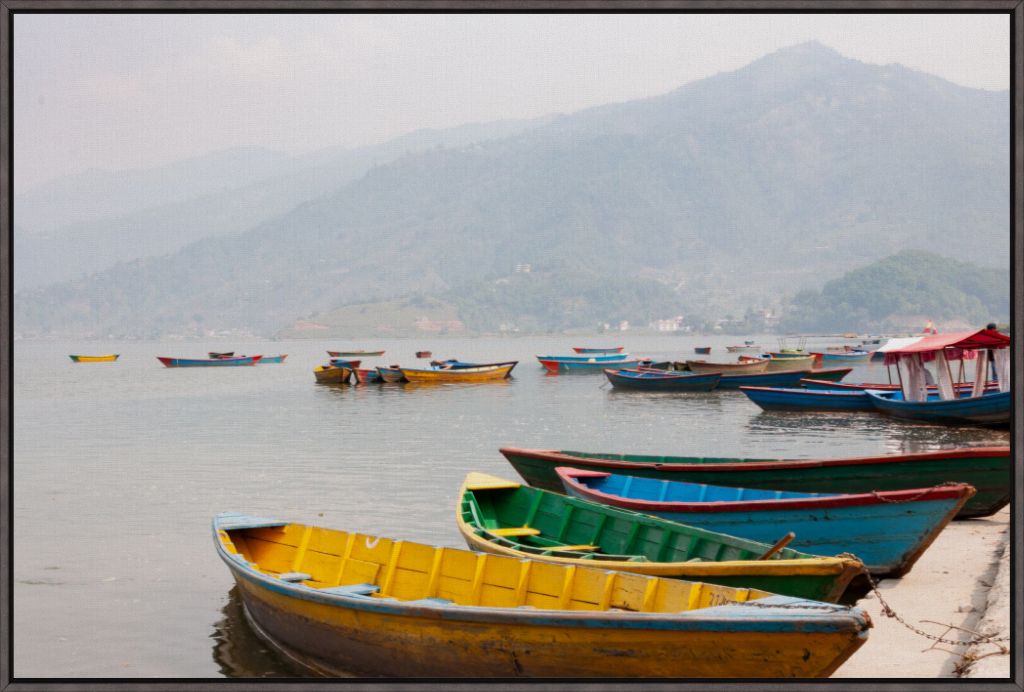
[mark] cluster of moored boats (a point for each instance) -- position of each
(684, 567)
(343, 369)
(775, 381)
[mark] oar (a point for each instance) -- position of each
(779, 545)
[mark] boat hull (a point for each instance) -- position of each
(367, 375)
(652, 382)
(346, 635)
(887, 531)
(796, 399)
(992, 409)
(105, 358)
(580, 349)
(483, 374)
(332, 374)
(751, 367)
(777, 362)
(273, 359)
(988, 469)
(212, 362)
(354, 354)
(344, 642)
(585, 366)
(391, 374)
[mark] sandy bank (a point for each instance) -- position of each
(949, 585)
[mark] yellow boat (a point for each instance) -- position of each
(106, 358)
(484, 373)
(343, 603)
(332, 374)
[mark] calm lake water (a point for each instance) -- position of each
(119, 468)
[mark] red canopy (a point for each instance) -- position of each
(955, 343)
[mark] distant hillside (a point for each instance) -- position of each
(729, 191)
(904, 291)
(89, 222)
(550, 301)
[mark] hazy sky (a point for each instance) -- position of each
(130, 90)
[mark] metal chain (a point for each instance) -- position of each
(886, 611)
(890, 613)
(917, 497)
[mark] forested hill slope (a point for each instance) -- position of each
(902, 291)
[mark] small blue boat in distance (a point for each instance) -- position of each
(797, 399)
(887, 530)
(661, 380)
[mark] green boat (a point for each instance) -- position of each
(988, 469)
(506, 518)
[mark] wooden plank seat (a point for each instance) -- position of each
(514, 531)
(575, 548)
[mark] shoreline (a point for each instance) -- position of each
(961, 581)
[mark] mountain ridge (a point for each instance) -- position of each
(732, 190)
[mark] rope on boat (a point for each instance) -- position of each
(915, 498)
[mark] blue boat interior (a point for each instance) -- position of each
(654, 490)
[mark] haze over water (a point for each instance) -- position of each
(119, 467)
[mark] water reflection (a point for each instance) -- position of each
(897, 436)
(239, 652)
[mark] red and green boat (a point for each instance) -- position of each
(988, 469)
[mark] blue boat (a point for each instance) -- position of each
(991, 408)
(273, 359)
(595, 363)
(596, 357)
(662, 381)
(211, 362)
(847, 357)
(780, 378)
(951, 405)
(797, 399)
(886, 530)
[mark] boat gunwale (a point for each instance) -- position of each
(961, 491)
(759, 464)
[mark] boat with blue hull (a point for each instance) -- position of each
(842, 356)
(888, 531)
(797, 399)
(948, 404)
(661, 381)
(211, 362)
(595, 363)
(990, 409)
